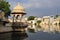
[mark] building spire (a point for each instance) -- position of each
(18, 8)
(18, 3)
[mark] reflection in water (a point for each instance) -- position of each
(45, 28)
(19, 36)
(5, 36)
(39, 35)
(31, 36)
(13, 36)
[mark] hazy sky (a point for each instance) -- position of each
(38, 8)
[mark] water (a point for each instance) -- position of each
(29, 36)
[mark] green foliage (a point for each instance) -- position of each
(38, 26)
(31, 17)
(56, 31)
(5, 7)
(38, 21)
(59, 23)
(56, 16)
(31, 30)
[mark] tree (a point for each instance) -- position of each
(59, 23)
(38, 22)
(5, 7)
(56, 16)
(31, 17)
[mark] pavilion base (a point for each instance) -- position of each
(19, 27)
(19, 30)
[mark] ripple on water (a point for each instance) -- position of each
(30, 36)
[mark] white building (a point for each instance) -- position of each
(46, 23)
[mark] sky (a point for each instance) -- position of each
(38, 8)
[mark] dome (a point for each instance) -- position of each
(18, 8)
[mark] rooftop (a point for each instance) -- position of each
(18, 8)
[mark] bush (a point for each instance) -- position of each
(31, 30)
(59, 23)
(31, 17)
(39, 26)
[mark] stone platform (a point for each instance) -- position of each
(5, 29)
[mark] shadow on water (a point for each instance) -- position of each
(18, 36)
(13, 36)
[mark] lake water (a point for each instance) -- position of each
(30, 36)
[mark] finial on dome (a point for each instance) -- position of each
(18, 3)
(18, 8)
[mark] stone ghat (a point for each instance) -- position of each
(11, 28)
(19, 25)
(5, 29)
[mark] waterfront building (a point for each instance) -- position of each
(47, 23)
(56, 24)
(17, 16)
(18, 13)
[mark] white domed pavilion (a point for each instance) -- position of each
(18, 13)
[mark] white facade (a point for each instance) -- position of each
(47, 23)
